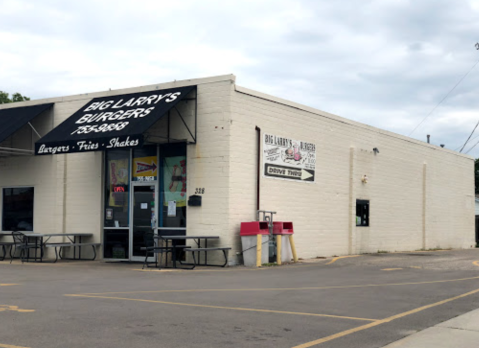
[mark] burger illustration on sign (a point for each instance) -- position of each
(292, 155)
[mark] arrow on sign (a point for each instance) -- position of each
(306, 174)
(144, 167)
(290, 173)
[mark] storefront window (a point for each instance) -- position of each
(173, 186)
(117, 188)
(145, 164)
(17, 209)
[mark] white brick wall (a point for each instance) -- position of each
(324, 212)
(68, 195)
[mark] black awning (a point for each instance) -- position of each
(111, 122)
(12, 119)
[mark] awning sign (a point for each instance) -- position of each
(289, 159)
(111, 122)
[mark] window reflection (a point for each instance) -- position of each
(17, 209)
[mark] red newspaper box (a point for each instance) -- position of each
(254, 228)
(254, 241)
(284, 228)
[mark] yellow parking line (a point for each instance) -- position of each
(10, 346)
(223, 307)
(391, 269)
(341, 257)
(196, 270)
(383, 321)
(8, 284)
(283, 289)
(4, 308)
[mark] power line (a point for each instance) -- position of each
(473, 138)
(453, 88)
(473, 146)
(477, 124)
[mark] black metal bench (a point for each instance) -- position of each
(58, 252)
(224, 250)
(4, 246)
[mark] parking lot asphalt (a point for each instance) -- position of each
(363, 301)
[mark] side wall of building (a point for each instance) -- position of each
(421, 196)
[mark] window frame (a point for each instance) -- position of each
(364, 203)
(3, 201)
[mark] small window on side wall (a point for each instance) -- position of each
(362, 212)
(17, 209)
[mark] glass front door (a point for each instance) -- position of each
(144, 218)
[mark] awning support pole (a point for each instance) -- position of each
(168, 138)
(14, 150)
(33, 128)
(187, 128)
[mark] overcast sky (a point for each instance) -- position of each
(386, 63)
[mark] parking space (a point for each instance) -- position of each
(364, 301)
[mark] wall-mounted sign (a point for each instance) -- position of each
(145, 168)
(112, 122)
(289, 159)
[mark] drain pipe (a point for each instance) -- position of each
(258, 167)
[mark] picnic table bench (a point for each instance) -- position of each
(4, 246)
(58, 252)
(224, 250)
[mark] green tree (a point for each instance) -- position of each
(16, 97)
(476, 175)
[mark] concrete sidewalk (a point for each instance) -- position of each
(459, 332)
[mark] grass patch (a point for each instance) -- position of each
(382, 251)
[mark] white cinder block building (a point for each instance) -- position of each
(125, 162)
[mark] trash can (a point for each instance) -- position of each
(249, 240)
(283, 231)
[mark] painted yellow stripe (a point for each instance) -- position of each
(223, 307)
(341, 257)
(285, 289)
(8, 284)
(391, 269)
(10, 346)
(199, 270)
(383, 321)
(476, 263)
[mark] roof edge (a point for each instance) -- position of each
(163, 85)
(340, 119)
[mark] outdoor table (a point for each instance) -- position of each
(196, 239)
(43, 238)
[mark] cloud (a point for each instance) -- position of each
(384, 63)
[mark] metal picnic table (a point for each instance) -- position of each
(41, 239)
(196, 239)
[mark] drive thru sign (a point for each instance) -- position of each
(289, 159)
